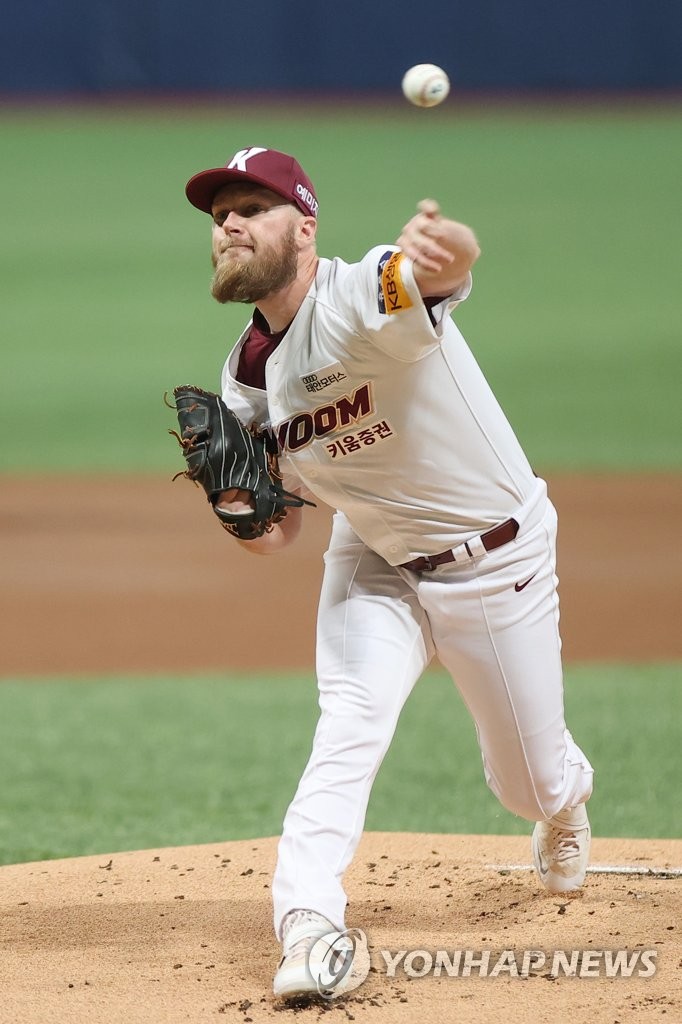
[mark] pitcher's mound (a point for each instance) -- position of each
(185, 935)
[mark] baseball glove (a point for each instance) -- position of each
(222, 454)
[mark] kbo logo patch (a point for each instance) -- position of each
(393, 297)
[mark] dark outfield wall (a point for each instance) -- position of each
(96, 46)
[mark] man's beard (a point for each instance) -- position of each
(253, 279)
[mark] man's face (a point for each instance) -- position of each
(254, 249)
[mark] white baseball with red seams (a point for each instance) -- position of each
(425, 85)
(386, 416)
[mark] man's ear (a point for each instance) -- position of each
(307, 228)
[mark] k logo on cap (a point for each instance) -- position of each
(239, 159)
(267, 167)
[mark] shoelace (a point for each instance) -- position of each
(303, 944)
(293, 919)
(566, 844)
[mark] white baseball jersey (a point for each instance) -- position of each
(384, 415)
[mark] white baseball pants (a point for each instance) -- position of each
(378, 628)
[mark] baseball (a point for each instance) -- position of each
(425, 85)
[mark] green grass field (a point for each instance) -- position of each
(574, 315)
(118, 764)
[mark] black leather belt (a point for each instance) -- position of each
(492, 539)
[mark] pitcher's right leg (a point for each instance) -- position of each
(373, 644)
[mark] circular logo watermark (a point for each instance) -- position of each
(339, 962)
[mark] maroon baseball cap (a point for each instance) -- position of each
(267, 167)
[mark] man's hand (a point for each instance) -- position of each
(442, 251)
(233, 464)
(281, 534)
(235, 500)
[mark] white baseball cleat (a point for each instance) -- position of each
(561, 849)
(300, 932)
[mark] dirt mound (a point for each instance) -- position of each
(185, 935)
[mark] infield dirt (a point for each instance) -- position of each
(115, 575)
(185, 935)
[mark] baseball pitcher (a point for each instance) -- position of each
(352, 386)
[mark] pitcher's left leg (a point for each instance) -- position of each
(495, 627)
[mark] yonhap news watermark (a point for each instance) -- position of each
(524, 963)
(340, 962)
